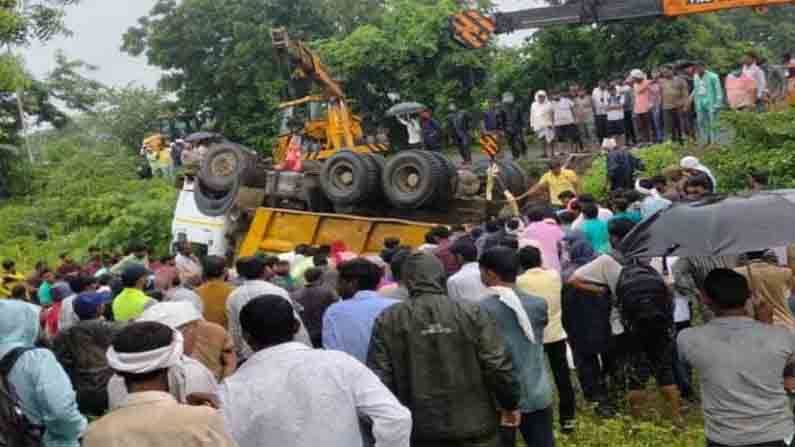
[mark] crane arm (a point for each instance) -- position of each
(304, 63)
(474, 30)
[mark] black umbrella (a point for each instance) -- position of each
(405, 108)
(199, 136)
(716, 227)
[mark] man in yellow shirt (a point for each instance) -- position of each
(547, 284)
(556, 181)
(9, 278)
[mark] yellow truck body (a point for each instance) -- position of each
(278, 231)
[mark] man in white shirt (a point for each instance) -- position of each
(289, 394)
(751, 68)
(600, 97)
(188, 267)
(466, 284)
(252, 270)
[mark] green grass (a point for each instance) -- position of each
(653, 430)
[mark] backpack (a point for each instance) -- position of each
(643, 297)
(15, 428)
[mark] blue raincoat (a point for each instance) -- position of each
(44, 389)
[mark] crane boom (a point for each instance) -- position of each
(474, 30)
(305, 63)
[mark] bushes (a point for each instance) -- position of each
(655, 159)
(86, 193)
(763, 141)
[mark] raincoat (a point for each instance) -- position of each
(44, 389)
(443, 359)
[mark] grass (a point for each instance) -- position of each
(653, 430)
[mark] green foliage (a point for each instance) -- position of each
(86, 194)
(129, 114)
(763, 142)
(67, 84)
(655, 159)
(408, 50)
(219, 58)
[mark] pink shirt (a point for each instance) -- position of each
(548, 234)
(642, 102)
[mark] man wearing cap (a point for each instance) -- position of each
(143, 354)
(206, 342)
(81, 348)
(132, 300)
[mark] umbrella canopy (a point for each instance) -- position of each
(405, 108)
(199, 136)
(716, 227)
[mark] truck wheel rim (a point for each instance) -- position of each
(224, 165)
(342, 176)
(407, 179)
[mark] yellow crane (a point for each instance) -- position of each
(328, 123)
(474, 30)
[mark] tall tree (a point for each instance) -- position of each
(218, 55)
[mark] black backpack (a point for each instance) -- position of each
(643, 297)
(15, 428)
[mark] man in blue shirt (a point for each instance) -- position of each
(348, 324)
(521, 320)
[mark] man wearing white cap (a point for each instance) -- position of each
(206, 342)
(144, 354)
(185, 376)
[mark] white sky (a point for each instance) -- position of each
(98, 26)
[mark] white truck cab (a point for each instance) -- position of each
(207, 234)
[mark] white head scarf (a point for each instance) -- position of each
(637, 74)
(173, 314)
(148, 361)
(694, 164)
(509, 297)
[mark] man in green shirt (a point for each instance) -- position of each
(45, 289)
(132, 301)
(708, 99)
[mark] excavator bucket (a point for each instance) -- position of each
(472, 29)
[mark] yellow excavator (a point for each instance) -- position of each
(324, 121)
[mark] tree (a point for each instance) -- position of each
(37, 20)
(408, 50)
(67, 84)
(558, 55)
(129, 114)
(218, 55)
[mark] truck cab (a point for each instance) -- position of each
(207, 234)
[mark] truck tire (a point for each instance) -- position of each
(214, 203)
(411, 179)
(376, 163)
(224, 164)
(447, 183)
(347, 178)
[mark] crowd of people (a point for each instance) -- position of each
(463, 341)
(678, 102)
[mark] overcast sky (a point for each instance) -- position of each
(98, 26)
